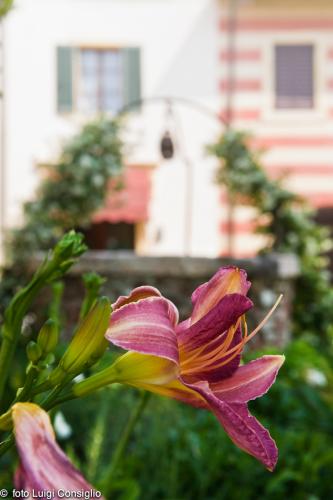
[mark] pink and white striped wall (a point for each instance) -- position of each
(297, 143)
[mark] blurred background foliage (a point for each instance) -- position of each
(289, 225)
(71, 190)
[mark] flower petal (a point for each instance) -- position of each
(44, 466)
(243, 429)
(139, 293)
(183, 326)
(217, 321)
(175, 390)
(227, 280)
(250, 381)
(21, 481)
(146, 326)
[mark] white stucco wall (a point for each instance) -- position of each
(179, 42)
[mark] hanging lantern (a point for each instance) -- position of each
(167, 147)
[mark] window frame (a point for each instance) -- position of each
(280, 99)
(78, 78)
(77, 75)
(270, 112)
(75, 113)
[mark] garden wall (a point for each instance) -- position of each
(177, 277)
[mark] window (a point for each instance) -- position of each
(294, 77)
(97, 80)
(100, 82)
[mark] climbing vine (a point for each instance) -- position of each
(288, 223)
(71, 190)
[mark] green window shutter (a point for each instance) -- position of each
(64, 79)
(131, 75)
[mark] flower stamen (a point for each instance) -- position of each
(230, 354)
(211, 355)
(247, 337)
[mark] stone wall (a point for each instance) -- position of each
(177, 277)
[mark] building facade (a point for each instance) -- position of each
(283, 94)
(66, 60)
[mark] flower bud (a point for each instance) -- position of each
(48, 337)
(47, 361)
(70, 246)
(92, 283)
(34, 352)
(88, 343)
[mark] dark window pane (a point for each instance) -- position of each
(107, 236)
(294, 76)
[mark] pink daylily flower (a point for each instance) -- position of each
(198, 361)
(43, 465)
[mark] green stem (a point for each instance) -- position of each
(97, 438)
(48, 402)
(6, 354)
(62, 258)
(92, 283)
(55, 306)
(48, 405)
(42, 387)
(57, 397)
(11, 329)
(123, 442)
(6, 445)
(25, 393)
(87, 304)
